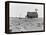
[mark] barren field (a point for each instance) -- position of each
(25, 24)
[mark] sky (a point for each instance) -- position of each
(20, 10)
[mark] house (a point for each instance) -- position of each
(32, 15)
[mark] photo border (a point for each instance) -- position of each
(7, 16)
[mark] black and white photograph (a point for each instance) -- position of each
(24, 17)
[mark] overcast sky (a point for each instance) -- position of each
(20, 10)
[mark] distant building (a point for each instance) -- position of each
(32, 15)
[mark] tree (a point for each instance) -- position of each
(36, 10)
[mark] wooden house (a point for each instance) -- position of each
(32, 15)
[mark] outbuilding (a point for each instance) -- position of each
(32, 15)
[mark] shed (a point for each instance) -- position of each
(32, 14)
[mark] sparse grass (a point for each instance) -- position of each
(25, 24)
